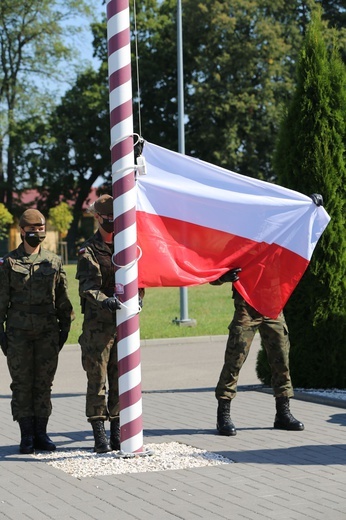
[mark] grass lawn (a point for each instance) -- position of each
(210, 306)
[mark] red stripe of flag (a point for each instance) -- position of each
(177, 254)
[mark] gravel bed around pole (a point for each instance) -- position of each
(161, 457)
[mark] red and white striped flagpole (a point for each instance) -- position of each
(125, 233)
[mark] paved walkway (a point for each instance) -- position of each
(275, 475)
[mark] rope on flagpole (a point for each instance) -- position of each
(140, 139)
(133, 261)
(137, 67)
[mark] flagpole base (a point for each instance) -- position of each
(124, 455)
(185, 323)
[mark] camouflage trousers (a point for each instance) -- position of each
(99, 360)
(275, 340)
(32, 360)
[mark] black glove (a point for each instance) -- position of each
(3, 342)
(112, 304)
(63, 335)
(230, 276)
(317, 199)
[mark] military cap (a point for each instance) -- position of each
(104, 205)
(32, 217)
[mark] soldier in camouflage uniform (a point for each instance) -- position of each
(274, 335)
(35, 307)
(96, 276)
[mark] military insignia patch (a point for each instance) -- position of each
(81, 251)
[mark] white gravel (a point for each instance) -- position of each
(156, 457)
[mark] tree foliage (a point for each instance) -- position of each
(72, 150)
(238, 69)
(5, 220)
(311, 158)
(61, 217)
(33, 42)
(239, 61)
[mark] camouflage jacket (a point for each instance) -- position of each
(33, 291)
(96, 276)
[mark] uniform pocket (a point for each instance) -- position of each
(43, 280)
(20, 275)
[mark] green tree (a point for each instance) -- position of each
(5, 220)
(72, 150)
(61, 217)
(239, 63)
(241, 78)
(239, 59)
(311, 159)
(33, 42)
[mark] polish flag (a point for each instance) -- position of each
(195, 221)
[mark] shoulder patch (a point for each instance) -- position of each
(1, 261)
(82, 251)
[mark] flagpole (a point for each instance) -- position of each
(125, 235)
(184, 304)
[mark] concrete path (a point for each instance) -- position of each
(275, 474)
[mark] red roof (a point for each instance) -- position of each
(30, 197)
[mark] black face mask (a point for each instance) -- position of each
(107, 225)
(34, 238)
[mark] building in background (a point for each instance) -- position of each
(28, 199)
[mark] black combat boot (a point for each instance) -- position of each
(284, 420)
(115, 434)
(101, 441)
(26, 425)
(224, 423)
(42, 441)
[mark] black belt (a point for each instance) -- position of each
(33, 309)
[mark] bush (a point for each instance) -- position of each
(5, 220)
